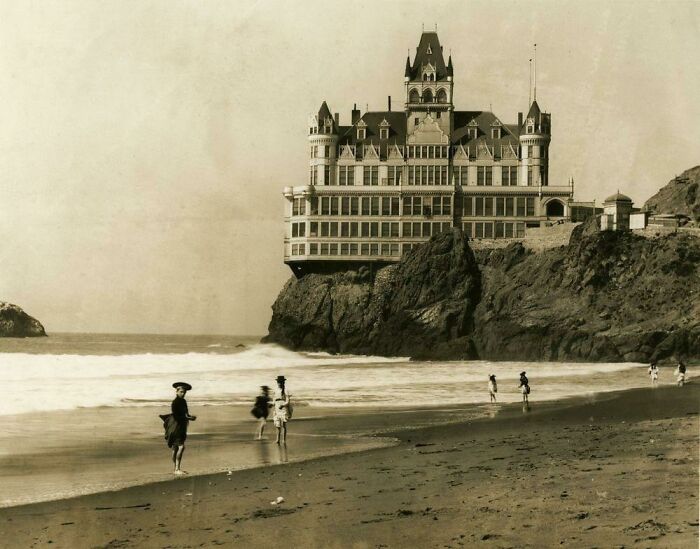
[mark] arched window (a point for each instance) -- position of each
(442, 96)
(555, 209)
(425, 76)
(427, 96)
(431, 77)
(413, 96)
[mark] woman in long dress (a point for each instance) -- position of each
(493, 387)
(524, 387)
(281, 406)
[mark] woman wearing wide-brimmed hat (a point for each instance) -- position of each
(524, 387)
(282, 410)
(176, 424)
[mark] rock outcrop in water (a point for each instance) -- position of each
(14, 322)
(607, 296)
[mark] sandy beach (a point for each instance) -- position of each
(611, 470)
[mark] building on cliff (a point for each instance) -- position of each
(392, 179)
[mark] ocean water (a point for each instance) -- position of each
(80, 411)
(71, 371)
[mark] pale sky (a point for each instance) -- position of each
(144, 145)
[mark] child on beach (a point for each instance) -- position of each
(493, 388)
(281, 407)
(176, 424)
(261, 410)
(524, 387)
(654, 374)
(680, 373)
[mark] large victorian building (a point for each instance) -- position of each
(392, 179)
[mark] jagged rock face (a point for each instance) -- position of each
(14, 322)
(421, 307)
(607, 296)
(680, 196)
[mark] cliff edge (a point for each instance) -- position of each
(606, 296)
(14, 322)
(681, 195)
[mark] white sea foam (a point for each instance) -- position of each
(43, 382)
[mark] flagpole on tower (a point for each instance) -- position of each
(529, 88)
(535, 92)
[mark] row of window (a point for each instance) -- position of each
(374, 205)
(434, 151)
(320, 151)
(494, 229)
(390, 249)
(490, 230)
(499, 206)
(366, 229)
(424, 175)
(479, 206)
(427, 175)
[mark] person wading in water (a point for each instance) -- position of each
(176, 423)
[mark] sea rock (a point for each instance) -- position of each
(14, 322)
(607, 296)
(420, 307)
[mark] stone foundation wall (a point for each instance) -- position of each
(536, 240)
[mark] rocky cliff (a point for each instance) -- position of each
(680, 196)
(607, 296)
(14, 322)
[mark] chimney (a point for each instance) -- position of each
(355, 115)
(520, 119)
(337, 120)
(389, 102)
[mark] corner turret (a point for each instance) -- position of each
(535, 135)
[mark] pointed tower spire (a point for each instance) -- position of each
(450, 69)
(407, 72)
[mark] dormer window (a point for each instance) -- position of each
(361, 130)
(495, 133)
(471, 132)
(384, 129)
(530, 128)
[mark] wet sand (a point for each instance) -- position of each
(614, 470)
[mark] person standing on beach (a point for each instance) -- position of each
(493, 387)
(176, 424)
(654, 374)
(281, 407)
(680, 373)
(261, 409)
(524, 387)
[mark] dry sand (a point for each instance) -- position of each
(617, 470)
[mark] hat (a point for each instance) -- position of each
(281, 378)
(265, 388)
(185, 386)
(522, 373)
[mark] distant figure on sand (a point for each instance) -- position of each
(654, 374)
(176, 423)
(524, 387)
(493, 387)
(282, 410)
(261, 409)
(680, 373)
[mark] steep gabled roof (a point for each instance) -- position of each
(429, 51)
(373, 121)
(463, 120)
